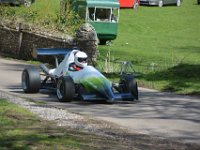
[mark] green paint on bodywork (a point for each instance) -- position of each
(92, 84)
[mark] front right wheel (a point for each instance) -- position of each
(65, 89)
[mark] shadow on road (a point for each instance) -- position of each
(152, 105)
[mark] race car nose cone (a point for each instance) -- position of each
(109, 94)
(99, 85)
(95, 83)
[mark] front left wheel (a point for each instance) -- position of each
(65, 89)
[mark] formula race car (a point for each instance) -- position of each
(73, 78)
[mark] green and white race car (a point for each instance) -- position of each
(83, 81)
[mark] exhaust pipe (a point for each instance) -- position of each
(45, 69)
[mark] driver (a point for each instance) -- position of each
(80, 61)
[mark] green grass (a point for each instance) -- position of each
(41, 8)
(21, 130)
(167, 37)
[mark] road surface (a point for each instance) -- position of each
(161, 114)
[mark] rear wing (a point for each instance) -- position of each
(51, 51)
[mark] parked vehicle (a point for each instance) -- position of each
(129, 3)
(103, 15)
(26, 3)
(160, 3)
(73, 78)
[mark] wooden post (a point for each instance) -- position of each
(20, 40)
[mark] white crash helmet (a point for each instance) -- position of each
(80, 59)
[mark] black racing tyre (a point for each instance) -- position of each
(129, 84)
(65, 89)
(31, 80)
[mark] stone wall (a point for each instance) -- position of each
(9, 40)
(21, 43)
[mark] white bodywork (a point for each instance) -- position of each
(77, 76)
(62, 68)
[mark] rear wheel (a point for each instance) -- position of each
(31, 80)
(129, 84)
(65, 89)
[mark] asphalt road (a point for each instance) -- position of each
(161, 114)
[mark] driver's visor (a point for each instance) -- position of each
(82, 59)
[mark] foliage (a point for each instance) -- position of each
(66, 20)
(44, 14)
(29, 16)
(7, 12)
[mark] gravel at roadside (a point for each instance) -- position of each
(64, 117)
